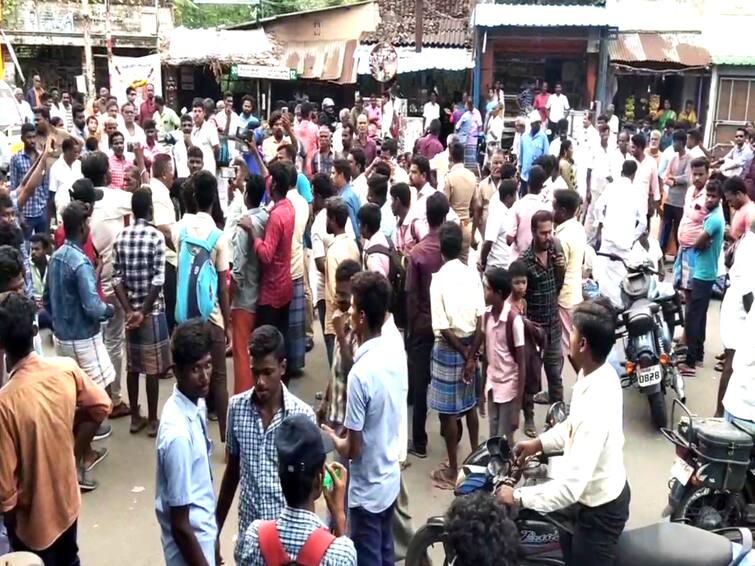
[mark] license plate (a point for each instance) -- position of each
(682, 471)
(648, 376)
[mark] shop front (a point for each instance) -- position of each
(646, 69)
(519, 46)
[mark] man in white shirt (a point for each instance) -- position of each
(376, 249)
(613, 119)
(65, 170)
(496, 251)
(621, 221)
(25, 112)
(598, 176)
(205, 136)
(164, 218)
(620, 154)
(593, 488)
(431, 110)
(646, 182)
(557, 106)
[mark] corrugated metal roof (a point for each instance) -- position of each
(535, 15)
(409, 61)
(676, 48)
(321, 60)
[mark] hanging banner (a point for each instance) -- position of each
(137, 72)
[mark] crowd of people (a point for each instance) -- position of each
(170, 241)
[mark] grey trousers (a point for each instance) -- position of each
(501, 417)
(402, 523)
(114, 336)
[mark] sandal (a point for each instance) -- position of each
(530, 430)
(720, 357)
(120, 410)
(138, 426)
(152, 427)
(441, 481)
(719, 367)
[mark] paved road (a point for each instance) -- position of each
(118, 526)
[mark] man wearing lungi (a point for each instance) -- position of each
(138, 278)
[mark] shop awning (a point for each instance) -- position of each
(322, 60)
(206, 46)
(536, 15)
(409, 61)
(684, 49)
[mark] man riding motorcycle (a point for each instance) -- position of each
(592, 490)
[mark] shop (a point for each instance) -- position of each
(648, 68)
(519, 45)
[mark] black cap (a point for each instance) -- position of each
(83, 190)
(301, 445)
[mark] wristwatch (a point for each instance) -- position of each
(517, 495)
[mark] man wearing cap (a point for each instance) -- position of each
(328, 115)
(303, 473)
(185, 501)
(532, 145)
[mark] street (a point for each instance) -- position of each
(118, 527)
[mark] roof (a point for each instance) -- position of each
(537, 15)
(410, 61)
(675, 48)
(280, 17)
(322, 60)
(202, 46)
(444, 23)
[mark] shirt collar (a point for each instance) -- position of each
(489, 313)
(201, 214)
(584, 382)
(30, 358)
(427, 190)
(158, 184)
(377, 239)
(285, 400)
(365, 347)
(565, 225)
(297, 514)
(188, 409)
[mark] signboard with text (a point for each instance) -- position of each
(243, 71)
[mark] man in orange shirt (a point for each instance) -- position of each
(44, 400)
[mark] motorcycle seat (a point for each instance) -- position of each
(672, 544)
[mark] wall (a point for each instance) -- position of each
(329, 25)
(36, 23)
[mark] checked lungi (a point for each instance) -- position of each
(295, 340)
(448, 394)
(148, 347)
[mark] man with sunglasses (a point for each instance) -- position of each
(734, 161)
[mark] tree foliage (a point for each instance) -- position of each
(188, 14)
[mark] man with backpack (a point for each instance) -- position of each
(298, 536)
(377, 251)
(203, 261)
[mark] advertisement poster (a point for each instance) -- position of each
(137, 72)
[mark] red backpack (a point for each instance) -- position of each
(310, 554)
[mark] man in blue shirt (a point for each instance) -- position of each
(708, 247)
(341, 177)
(35, 208)
(185, 500)
(532, 145)
(77, 310)
(374, 397)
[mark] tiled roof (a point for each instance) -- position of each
(445, 23)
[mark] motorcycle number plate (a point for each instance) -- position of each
(682, 471)
(648, 376)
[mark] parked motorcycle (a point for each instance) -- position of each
(712, 482)
(493, 465)
(650, 312)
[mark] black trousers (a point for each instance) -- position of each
(63, 552)
(419, 353)
(696, 319)
(277, 317)
(596, 531)
(169, 292)
(523, 187)
(672, 216)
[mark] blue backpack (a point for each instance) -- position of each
(197, 291)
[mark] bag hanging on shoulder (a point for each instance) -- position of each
(197, 286)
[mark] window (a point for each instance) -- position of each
(736, 105)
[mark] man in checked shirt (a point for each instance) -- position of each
(138, 278)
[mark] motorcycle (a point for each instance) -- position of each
(493, 464)
(712, 482)
(650, 312)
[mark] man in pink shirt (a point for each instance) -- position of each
(519, 231)
(308, 135)
(541, 102)
(691, 225)
(646, 179)
(735, 191)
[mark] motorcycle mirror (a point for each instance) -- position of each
(556, 414)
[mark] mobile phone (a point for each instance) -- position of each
(130, 147)
(327, 481)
